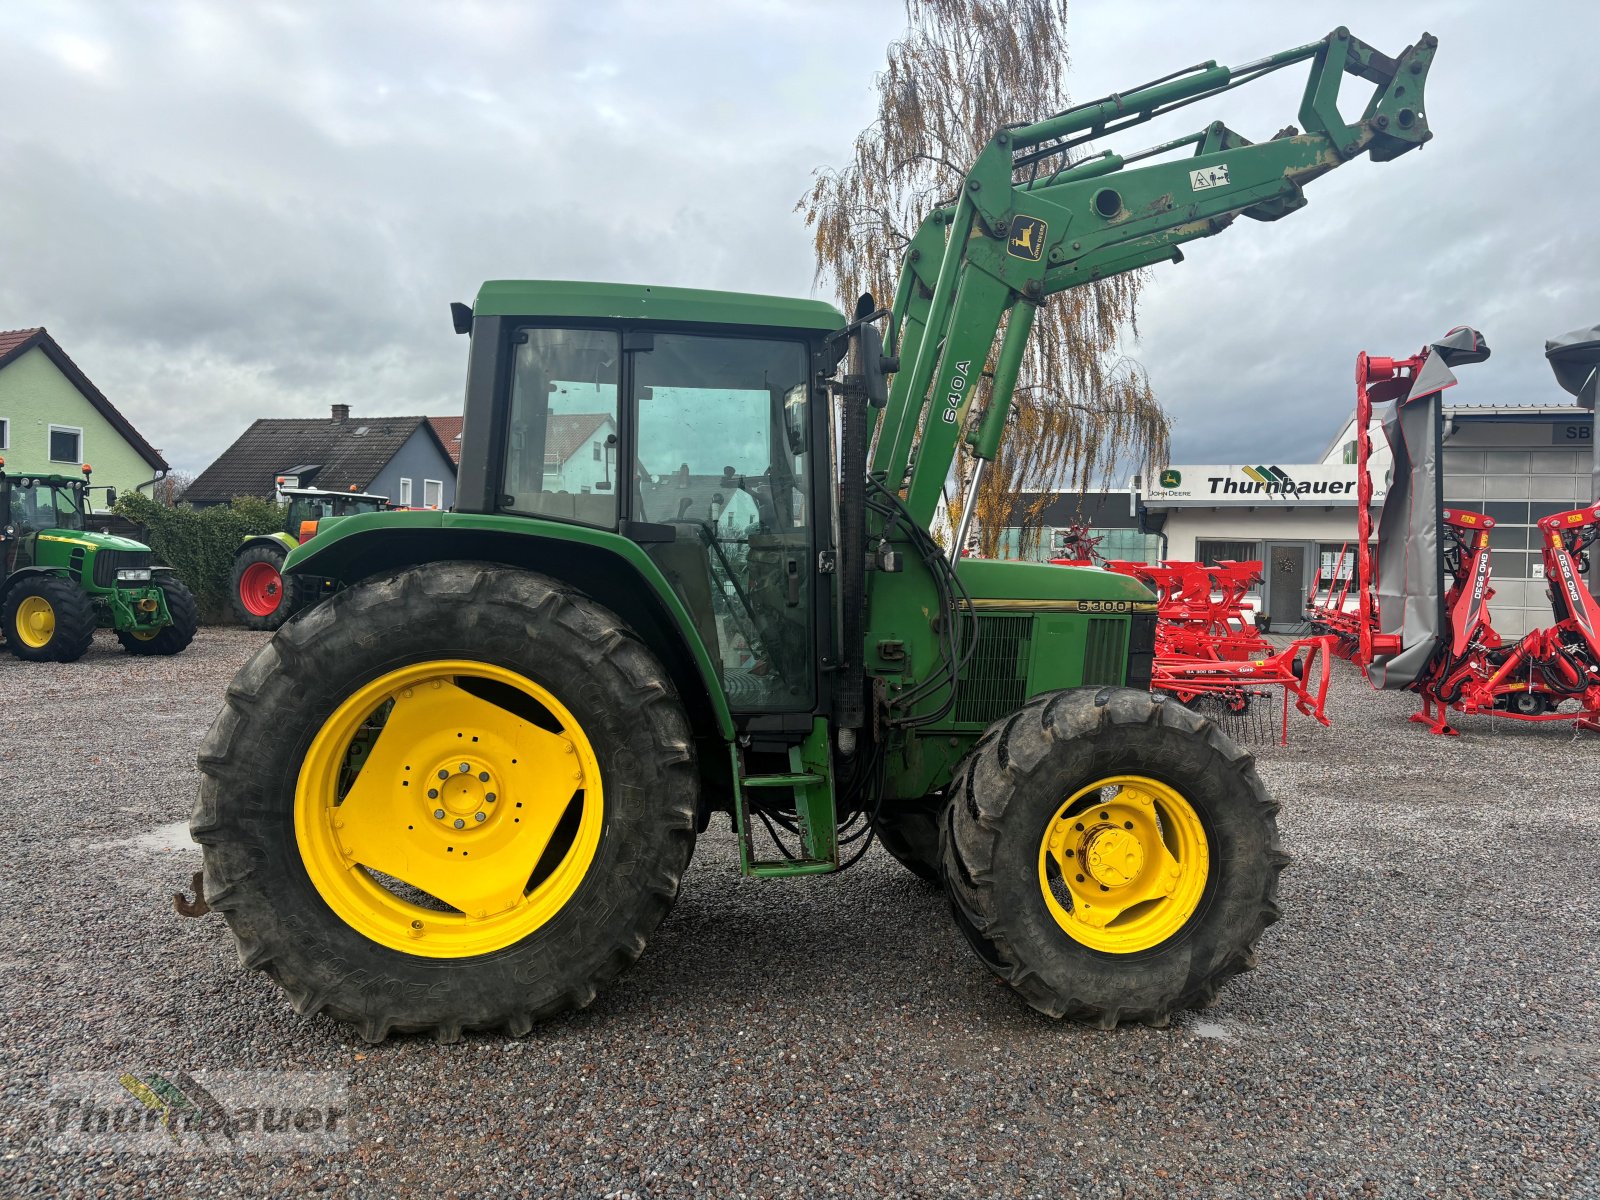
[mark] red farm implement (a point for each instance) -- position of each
(1209, 649)
(1332, 610)
(1422, 620)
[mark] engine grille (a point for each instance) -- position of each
(994, 684)
(108, 562)
(1105, 650)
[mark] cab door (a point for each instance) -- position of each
(722, 456)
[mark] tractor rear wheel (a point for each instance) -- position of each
(1111, 855)
(47, 618)
(909, 831)
(459, 797)
(263, 597)
(172, 638)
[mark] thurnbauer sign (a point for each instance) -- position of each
(1315, 485)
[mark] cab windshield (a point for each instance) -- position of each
(38, 504)
(308, 508)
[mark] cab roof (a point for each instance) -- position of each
(641, 302)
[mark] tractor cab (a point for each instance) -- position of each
(34, 504)
(693, 423)
(310, 506)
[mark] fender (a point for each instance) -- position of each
(22, 573)
(279, 541)
(603, 565)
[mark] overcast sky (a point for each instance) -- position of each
(227, 211)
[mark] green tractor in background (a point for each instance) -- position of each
(263, 597)
(58, 581)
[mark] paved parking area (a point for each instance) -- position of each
(1425, 1021)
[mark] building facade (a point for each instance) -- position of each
(53, 420)
(400, 458)
(1516, 464)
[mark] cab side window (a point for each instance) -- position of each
(563, 404)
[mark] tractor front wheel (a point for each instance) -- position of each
(1111, 855)
(263, 597)
(47, 618)
(460, 797)
(171, 638)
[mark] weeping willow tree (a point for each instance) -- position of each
(963, 69)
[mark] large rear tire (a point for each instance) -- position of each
(1111, 855)
(172, 638)
(262, 596)
(376, 879)
(909, 831)
(47, 618)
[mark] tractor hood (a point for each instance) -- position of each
(1029, 586)
(92, 541)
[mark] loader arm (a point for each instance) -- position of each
(1030, 222)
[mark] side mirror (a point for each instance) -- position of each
(794, 418)
(872, 366)
(111, 496)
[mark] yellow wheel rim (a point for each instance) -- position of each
(36, 622)
(144, 635)
(448, 809)
(1123, 864)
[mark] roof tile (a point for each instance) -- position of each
(349, 452)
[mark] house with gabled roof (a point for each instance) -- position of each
(402, 458)
(449, 431)
(54, 420)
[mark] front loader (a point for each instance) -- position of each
(691, 571)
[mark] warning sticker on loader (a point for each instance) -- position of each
(1209, 177)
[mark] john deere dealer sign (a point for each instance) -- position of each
(1264, 485)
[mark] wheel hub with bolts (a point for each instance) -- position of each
(1130, 862)
(36, 621)
(456, 797)
(462, 793)
(1115, 856)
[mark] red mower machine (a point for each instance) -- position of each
(1422, 621)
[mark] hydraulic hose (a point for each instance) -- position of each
(850, 707)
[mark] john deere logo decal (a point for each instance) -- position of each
(1171, 478)
(1027, 238)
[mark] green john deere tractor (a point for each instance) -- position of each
(58, 581)
(691, 572)
(263, 597)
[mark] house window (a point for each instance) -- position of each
(66, 444)
(596, 446)
(1336, 561)
(405, 493)
(1211, 551)
(432, 493)
(5, 434)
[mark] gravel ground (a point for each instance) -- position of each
(1423, 1022)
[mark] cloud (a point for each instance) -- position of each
(226, 212)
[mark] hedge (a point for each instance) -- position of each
(199, 544)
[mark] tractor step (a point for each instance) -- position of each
(810, 778)
(782, 781)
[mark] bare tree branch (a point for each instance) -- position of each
(964, 69)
